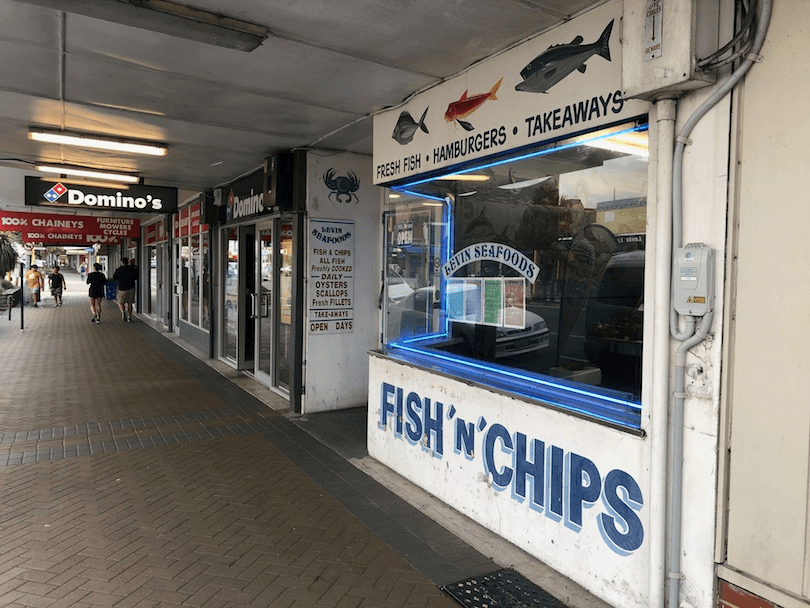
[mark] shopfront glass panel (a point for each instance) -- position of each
(194, 280)
(284, 334)
(532, 265)
(185, 254)
(205, 286)
(231, 292)
(265, 301)
(153, 280)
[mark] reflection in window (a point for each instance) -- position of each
(194, 280)
(184, 271)
(534, 264)
(231, 294)
(205, 321)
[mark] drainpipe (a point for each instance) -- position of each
(702, 330)
(665, 113)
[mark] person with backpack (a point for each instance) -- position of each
(127, 277)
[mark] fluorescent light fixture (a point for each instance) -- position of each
(461, 177)
(633, 142)
(97, 142)
(392, 195)
(91, 173)
(427, 204)
(169, 18)
(93, 183)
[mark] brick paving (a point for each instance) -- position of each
(134, 475)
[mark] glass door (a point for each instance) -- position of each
(264, 302)
(230, 304)
(178, 286)
(284, 303)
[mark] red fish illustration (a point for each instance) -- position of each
(467, 105)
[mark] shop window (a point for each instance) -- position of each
(194, 278)
(527, 273)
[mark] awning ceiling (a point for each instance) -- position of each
(324, 68)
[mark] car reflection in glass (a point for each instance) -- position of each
(418, 313)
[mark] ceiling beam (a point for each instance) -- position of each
(167, 18)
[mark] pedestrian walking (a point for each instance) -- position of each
(97, 281)
(83, 270)
(135, 266)
(57, 285)
(35, 283)
(127, 277)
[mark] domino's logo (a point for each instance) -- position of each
(54, 193)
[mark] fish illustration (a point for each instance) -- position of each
(467, 105)
(551, 66)
(406, 127)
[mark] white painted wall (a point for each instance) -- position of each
(769, 382)
(337, 364)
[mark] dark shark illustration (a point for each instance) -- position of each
(406, 127)
(551, 66)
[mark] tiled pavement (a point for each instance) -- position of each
(132, 474)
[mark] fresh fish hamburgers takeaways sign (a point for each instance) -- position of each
(564, 82)
(133, 199)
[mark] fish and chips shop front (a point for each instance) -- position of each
(513, 379)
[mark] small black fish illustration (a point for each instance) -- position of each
(551, 66)
(406, 127)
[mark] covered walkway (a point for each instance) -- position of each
(134, 473)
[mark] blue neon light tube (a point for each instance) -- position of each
(608, 406)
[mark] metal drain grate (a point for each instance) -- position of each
(501, 589)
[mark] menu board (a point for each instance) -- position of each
(331, 277)
(492, 301)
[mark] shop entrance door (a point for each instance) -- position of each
(257, 308)
(271, 302)
(263, 302)
(238, 316)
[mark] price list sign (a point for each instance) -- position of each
(331, 277)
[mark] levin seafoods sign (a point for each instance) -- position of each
(330, 299)
(561, 83)
(134, 198)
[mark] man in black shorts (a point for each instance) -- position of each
(126, 276)
(57, 283)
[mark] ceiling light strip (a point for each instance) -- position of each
(99, 143)
(91, 173)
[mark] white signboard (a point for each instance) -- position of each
(331, 277)
(564, 82)
(553, 484)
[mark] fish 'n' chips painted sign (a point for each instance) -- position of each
(564, 82)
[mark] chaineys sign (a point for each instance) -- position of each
(135, 199)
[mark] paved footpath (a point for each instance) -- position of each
(132, 474)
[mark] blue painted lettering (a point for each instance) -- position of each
(621, 528)
(413, 427)
(559, 483)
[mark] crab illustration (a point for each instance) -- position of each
(343, 187)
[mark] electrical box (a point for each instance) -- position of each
(662, 40)
(693, 280)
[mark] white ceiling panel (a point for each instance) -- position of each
(316, 80)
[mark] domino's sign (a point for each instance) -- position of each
(136, 198)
